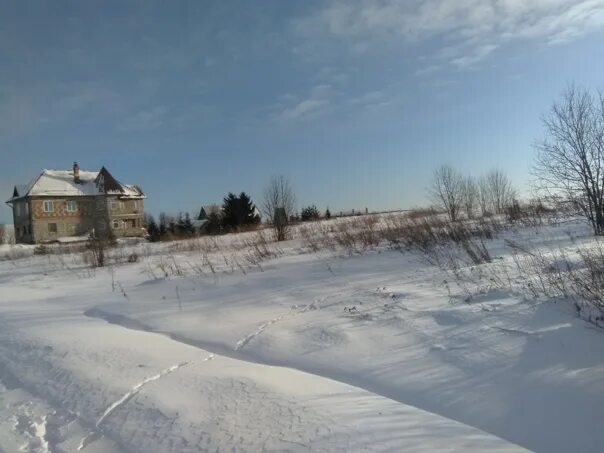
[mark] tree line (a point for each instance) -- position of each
(237, 212)
(569, 167)
(458, 194)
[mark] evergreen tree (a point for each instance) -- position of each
(163, 224)
(309, 213)
(239, 211)
(327, 214)
(152, 229)
(180, 227)
(251, 216)
(213, 225)
(188, 228)
(232, 213)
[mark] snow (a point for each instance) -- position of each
(61, 183)
(7, 233)
(307, 351)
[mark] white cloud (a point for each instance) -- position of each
(370, 98)
(472, 29)
(476, 55)
(303, 109)
(291, 108)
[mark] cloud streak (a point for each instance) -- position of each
(473, 28)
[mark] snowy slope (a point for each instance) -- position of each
(307, 352)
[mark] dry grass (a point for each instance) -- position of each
(431, 236)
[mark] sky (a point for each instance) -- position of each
(356, 102)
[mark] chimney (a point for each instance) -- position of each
(76, 173)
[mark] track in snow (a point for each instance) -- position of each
(94, 435)
(295, 310)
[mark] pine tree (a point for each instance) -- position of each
(213, 225)
(232, 215)
(152, 229)
(163, 224)
(327, 214)
(239, 211)
(309, 213)
(251, 216)
(180, 225)
(188, 225)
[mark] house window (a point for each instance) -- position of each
(122, 205)
(26, 208)
(17, 209)
(49, 206)
(52, 228)
(72, 206)
(113, 205)
(116, 224)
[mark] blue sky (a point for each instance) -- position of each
(356, 102)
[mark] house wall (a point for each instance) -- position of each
(49, 226)
(100, 213)
(22, 221)
(126, 216)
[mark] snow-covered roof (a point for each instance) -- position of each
(52, 183)
(61, 182)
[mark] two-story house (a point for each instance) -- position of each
(70, 203)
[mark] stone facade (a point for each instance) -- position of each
(126, 217)
(64, 217)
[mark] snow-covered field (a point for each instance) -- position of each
(322, 351)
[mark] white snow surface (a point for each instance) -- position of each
(307, 352)
(61, 183)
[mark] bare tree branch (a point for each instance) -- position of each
(570, 160)
(446, 190)
(278, 205)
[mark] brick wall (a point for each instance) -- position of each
(60, 222)
(126, 217)
(96, 213)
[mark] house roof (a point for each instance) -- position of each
(61, 183)
(209, 209)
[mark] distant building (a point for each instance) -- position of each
(71, 203)
(202, 221)
(206, 211)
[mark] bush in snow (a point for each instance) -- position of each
(309, 213)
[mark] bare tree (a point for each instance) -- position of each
(279, 204)
(484, 196)
(446, 190)
(570, 160)
(500, 189)
(2, 234)
(469, 195)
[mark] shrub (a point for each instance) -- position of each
(310, 213)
